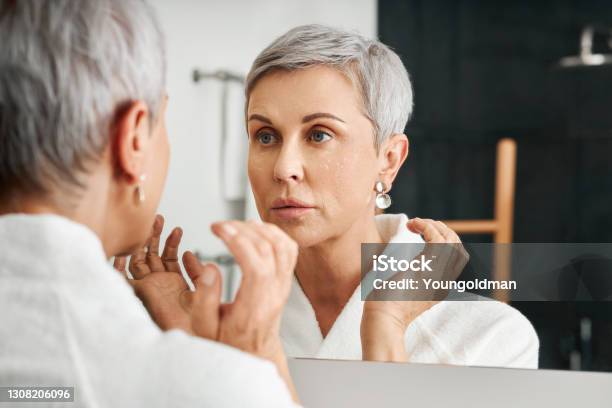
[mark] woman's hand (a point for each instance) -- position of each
(384, 322)
(267, 258)
(160, 285)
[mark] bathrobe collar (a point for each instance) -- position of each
(300, 331)
(50, 234)
(72, 253)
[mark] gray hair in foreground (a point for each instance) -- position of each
(67, 67)
(376, 71)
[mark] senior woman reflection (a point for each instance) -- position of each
(326, 111)
(83, 158)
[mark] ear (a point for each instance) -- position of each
(392, 155)
(131, 140)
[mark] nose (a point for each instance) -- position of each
(289, 166)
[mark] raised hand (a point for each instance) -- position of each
(159, 284)
(267, 258)
(384, 322)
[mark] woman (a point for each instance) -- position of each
(326, 110)
(83, 159)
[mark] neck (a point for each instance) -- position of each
(330, 271)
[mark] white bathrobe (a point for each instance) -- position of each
(475, 333)
(67, 318)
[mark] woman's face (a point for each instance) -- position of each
(312, 161)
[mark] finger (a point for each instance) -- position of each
(158, 226)
(274, 287)
(411, 225)
(120, 263)
(426, 228)
(264, 265)
(153, 259)
(283, 257)
(273, 243)
(454, 252)
(253, 232)
(437, 249)
(206, 299)
(246, 246)
(454, 237)
(432, 232)
(447, 233)
(138, 266)
(459, 260)
(192, 265)
(449, 260)
(285, 249)
(170, 254)
(240, 241)
(418, 225)
(259, 280)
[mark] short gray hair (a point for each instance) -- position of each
(67, 68)
(374, 68)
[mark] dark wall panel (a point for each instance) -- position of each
(485, 70)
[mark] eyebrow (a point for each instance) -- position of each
(305, 119)
(318, 115)
(260, 118)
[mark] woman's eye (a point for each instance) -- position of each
(319, 136)
(266, 138)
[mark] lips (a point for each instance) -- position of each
(290, 208)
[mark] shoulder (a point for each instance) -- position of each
(482, 332)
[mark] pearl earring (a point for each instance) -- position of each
(383, 200)
(140, 188)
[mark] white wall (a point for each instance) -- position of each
(213, 34)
